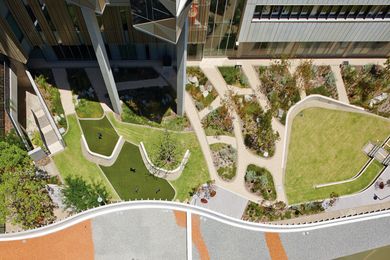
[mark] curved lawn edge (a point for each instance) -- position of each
(79, 166)
(132, 180)
(99, 135)
(349, 118)
(195, 173)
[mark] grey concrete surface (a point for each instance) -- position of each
(227, 242)
(139, 234)
(337, 241)
(225, 202)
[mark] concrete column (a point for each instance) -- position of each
(181, 64)
(102, 58)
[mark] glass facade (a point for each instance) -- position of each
(313, 49)
(269, 12)
(223, 27)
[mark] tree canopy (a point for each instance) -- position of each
(23, 196)
(80, 195)
(13, 158)
(25, 200)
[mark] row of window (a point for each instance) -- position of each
(321, 12)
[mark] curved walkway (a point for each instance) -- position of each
(222, 139)
(244, 156)
(169, 205)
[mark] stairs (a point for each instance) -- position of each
(386, 161)
(47, 132)
(373, 151)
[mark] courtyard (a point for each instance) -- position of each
(235, 135)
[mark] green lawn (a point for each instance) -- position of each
(92, 128)
(138, 185)
(89, 109)
(71, 162)
(326, 146)
(194, 174)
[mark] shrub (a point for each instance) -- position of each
(260, 181)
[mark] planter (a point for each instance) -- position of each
(203, 200)
(213, 193)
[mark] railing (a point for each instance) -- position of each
(45, 109)
(191, 209)
(7, 106)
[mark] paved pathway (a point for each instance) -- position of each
(343, 97)
(214, 105)
(61, 79)
(222, 139)
(244, 156)
(119, 232)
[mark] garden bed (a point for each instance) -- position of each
(280, 88)
(100, 135)
(368, 86)
(200, 88)
(153, 106)
(279, 211)
(317, 79)
(86, 102)
(259, 135)
(45, 82)
(123, 74)
(138, 184)
(225, 160)
(218, 122)
(259, 180)
(234, 76)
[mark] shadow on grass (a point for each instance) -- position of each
(138, 184)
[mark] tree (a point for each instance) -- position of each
(166, 150)
(305, 72)
(13, 158)
(80, 195)
(25, 199)
(13, 139)
(387, 69)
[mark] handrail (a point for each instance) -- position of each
(45, 109)
(170, 205)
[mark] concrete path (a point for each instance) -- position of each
(193, 117)
(366, 197)
(123, 231)
(244, 156)
(231, 140)
(343, 97)
(234, 186)
(61, 79)
(214, 105)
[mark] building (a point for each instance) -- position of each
(171, 31)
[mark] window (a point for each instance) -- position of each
(14, 27)
(321, 12)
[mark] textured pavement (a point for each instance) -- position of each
(162, 234)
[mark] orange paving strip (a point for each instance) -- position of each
(72, 243)
(275, 246)
(197, 238)
(181, 218)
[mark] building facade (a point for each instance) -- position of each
(174, 30)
